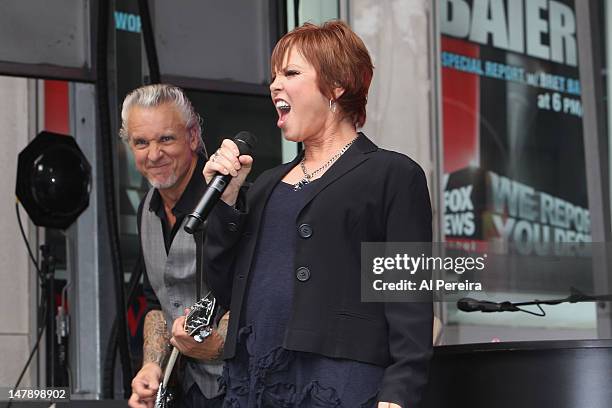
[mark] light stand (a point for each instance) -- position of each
(53, 185)
(52, 367)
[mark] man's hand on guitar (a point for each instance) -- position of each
(210, 349)
(145, 385)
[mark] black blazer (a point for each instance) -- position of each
(368, 195)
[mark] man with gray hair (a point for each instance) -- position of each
(163, 132)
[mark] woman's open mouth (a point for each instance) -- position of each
(283, 109)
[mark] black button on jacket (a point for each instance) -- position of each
(305, 231)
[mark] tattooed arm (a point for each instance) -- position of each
(146, 381)
(156, 338)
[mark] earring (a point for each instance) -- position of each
(332, 106)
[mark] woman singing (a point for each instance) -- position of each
(285, 256)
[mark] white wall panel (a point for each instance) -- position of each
(15, 275)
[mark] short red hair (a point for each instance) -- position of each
(340, 58)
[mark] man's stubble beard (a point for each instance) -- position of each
(169, 182)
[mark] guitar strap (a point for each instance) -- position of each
(199, 238)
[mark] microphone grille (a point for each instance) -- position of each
(246, 141)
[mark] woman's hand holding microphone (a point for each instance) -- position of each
(227, 160)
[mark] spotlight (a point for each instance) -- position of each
(53, 180)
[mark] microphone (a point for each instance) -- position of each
(246, 142)
(473, 305)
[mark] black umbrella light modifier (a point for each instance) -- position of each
(53, 180)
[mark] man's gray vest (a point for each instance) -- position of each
(173, 279)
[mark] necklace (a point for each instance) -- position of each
(308, 176)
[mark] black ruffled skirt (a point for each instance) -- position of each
(267, 375)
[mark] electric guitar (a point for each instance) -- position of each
(199, 325)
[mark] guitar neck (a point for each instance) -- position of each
(170, 366)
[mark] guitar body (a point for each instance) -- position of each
(199, 325)
(165, 397)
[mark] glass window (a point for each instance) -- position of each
(514, 153)
(214, 39)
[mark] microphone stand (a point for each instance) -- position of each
(575, 297)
